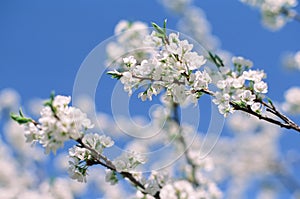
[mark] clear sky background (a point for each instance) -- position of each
(43, 43)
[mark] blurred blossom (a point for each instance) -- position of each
(291, 60)
(35, 106)
(9, 101)
(195, 24)
(176, 5)
(130, 39)
(275, 13)
(14, 135)
(292, 100)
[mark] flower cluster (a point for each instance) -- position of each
(240, 86)
(58, 123)
(80, 156)
(128, 161)
(275, 13)
(174, 67)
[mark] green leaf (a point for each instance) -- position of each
(20, 119)
(158, 29)
(114, 74)
(270, 101)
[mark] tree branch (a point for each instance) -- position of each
(104, 161)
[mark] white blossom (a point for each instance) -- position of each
(248, 97)
(261, 87)
(57, 125)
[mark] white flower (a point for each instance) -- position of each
(106, 141)
(79, 153)
(31, 132)
(61, 101)
(75, 172)
(179, 94)
(221, 98)
(194, 61)
(202, 79)
(225, 109)
(129, 61)
(221, 84)
(261, 87)
(120, 165)
(97, 142)
(248, 97)
(128, 161)
(255, 106)
(254, 75)
(145, 68)
(58, 125)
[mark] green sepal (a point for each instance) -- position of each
(50, 102)
(114, 74)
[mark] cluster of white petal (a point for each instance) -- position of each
(273, 11)
(240, 86)
(128, 161)
(57, 124)
(174, 67)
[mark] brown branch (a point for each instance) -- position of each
(104, 161)
(285, 123)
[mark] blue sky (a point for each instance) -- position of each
(43, 43)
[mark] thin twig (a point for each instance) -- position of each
(184, 145)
